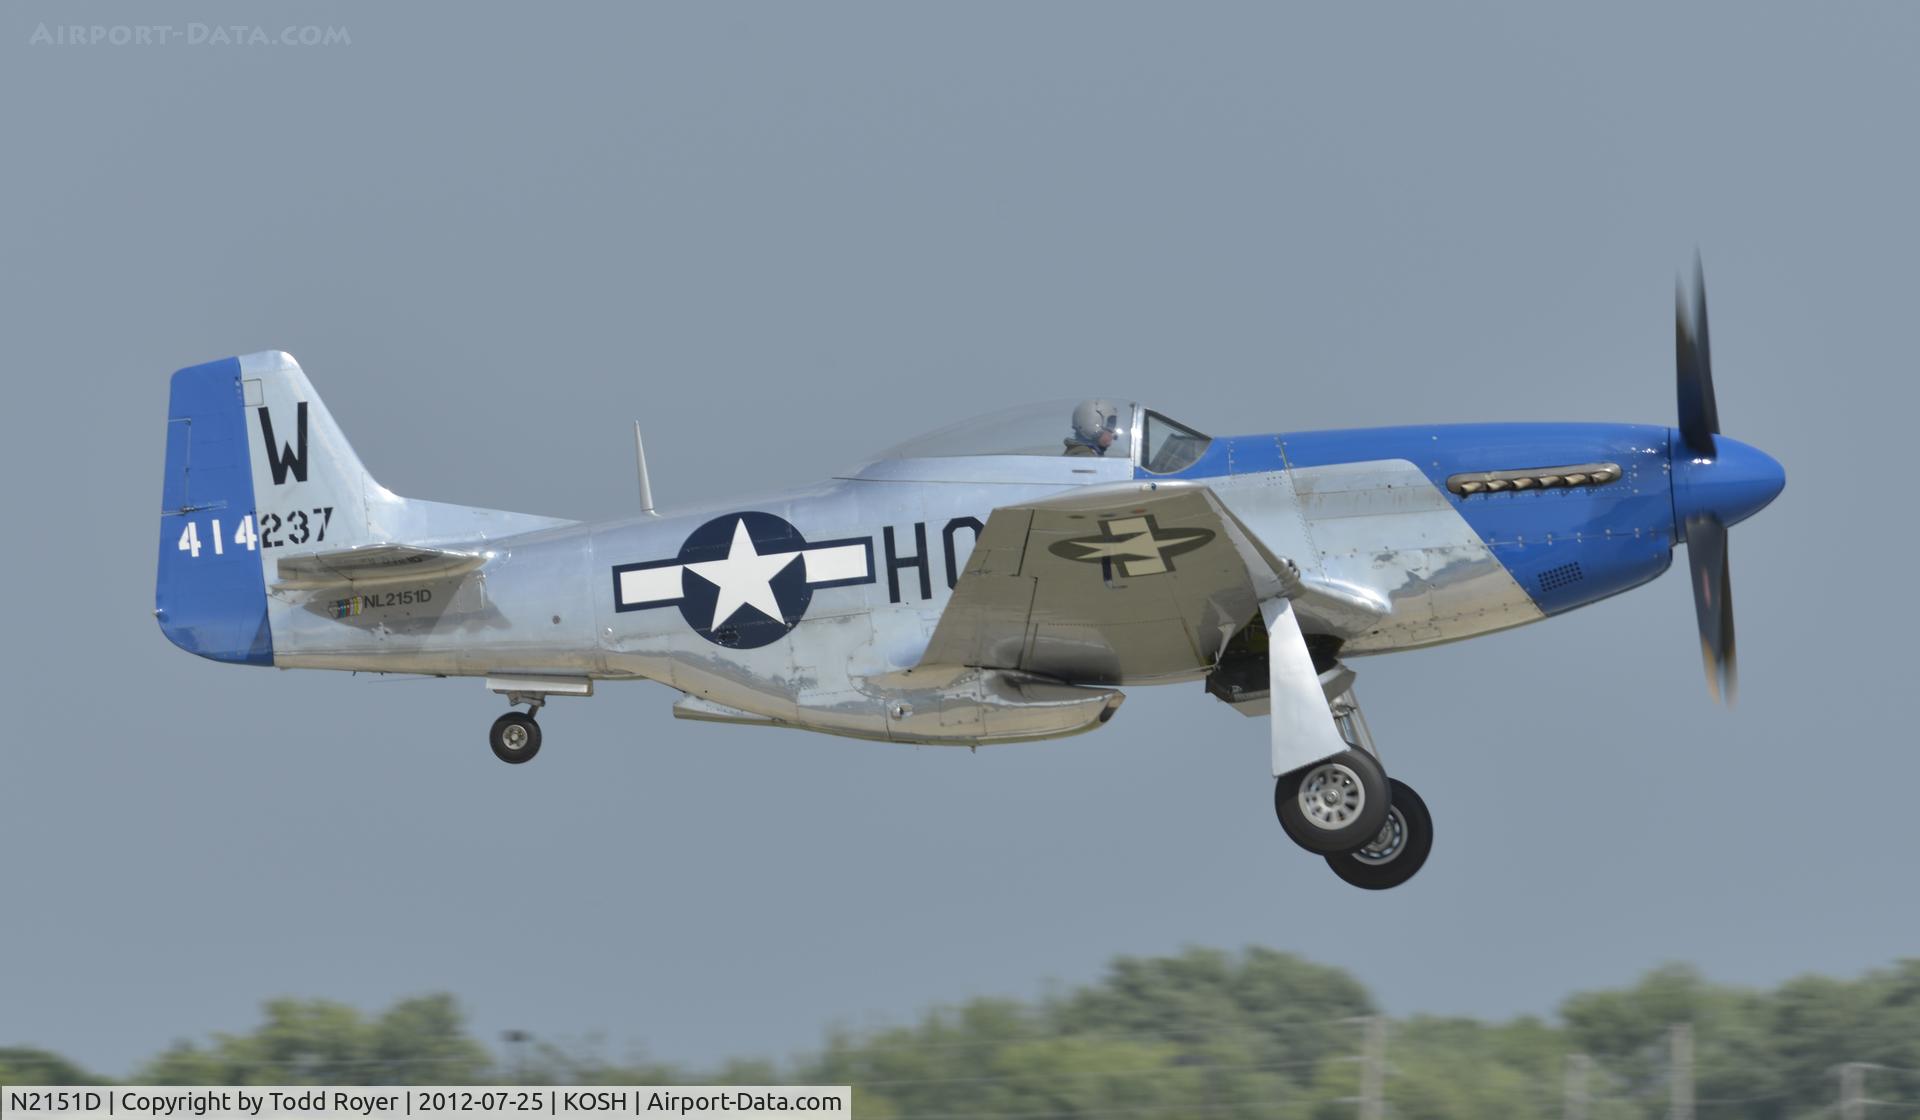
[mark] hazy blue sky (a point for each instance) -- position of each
(785, 235)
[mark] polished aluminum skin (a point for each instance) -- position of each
(1001, 586)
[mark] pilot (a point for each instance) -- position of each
(1095, 424)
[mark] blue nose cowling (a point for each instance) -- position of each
(1736, 483)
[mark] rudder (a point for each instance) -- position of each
(211, 596)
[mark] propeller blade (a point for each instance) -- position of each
(1693, 361)
(1713, 603)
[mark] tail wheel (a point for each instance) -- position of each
(515, 737)
(1335, 805)
(1397, 851)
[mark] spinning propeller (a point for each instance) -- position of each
(1716, 482)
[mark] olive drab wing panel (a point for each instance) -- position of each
(1109, 584)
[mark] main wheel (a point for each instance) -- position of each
(515, 737)
(1335, 805)
(1399, 849)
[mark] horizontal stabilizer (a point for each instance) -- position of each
(379, 563)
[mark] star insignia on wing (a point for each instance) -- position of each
(1138, 546)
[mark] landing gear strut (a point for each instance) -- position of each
(515, 737)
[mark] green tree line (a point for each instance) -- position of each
(1245, 1036)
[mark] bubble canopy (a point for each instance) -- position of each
(1069, 426)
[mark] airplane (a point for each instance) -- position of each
(998, 581)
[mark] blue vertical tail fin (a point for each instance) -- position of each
(211, 595)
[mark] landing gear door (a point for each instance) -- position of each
(1302, 725)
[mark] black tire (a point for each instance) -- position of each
(1400, 856)
(515, 737)
(1344, 817)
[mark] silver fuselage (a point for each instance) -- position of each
(543, 602)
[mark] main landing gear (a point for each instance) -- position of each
(1374, 831)
(1335, 805)
(1396, 851)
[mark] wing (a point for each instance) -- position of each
(1137, 582)
(1105, 585)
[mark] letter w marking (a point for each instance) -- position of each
(281, 457)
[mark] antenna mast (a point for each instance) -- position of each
(640, 457)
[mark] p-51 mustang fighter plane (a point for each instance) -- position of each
(994, 582)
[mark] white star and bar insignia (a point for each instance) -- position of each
(743, 579)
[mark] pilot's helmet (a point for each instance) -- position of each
(1096, 416)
